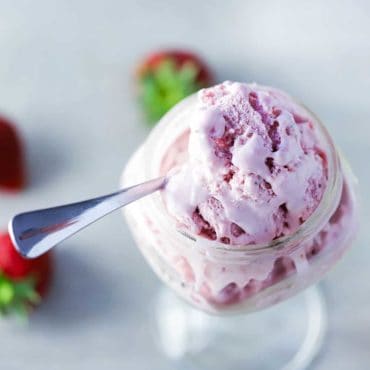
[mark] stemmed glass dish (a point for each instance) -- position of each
(223, 279)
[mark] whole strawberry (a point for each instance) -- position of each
(168, 76)
(22, 282)
(12, 172)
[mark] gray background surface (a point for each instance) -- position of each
(66, 79)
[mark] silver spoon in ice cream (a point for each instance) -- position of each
(34, 233)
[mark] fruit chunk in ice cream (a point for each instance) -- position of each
(254, 169)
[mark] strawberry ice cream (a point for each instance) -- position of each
(255, 169)
(258, 205)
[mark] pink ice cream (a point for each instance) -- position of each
(248, 165)
(252, 170)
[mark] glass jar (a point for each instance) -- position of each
(221, 278)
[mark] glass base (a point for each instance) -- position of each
(286, 336)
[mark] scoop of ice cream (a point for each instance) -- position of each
(254, 169)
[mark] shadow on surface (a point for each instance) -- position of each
(43, 158)
(80, 292)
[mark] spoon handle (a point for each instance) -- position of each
(34, 233)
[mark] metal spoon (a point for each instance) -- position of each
(34, 233)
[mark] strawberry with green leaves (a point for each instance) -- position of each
(12, 172)
(168, 76)
(23, 282)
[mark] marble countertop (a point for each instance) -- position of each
(66, 78)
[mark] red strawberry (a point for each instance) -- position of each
(168, 76)
(12, 174)
(23, 282)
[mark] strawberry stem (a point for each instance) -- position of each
(165, 86)
(17, 296)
